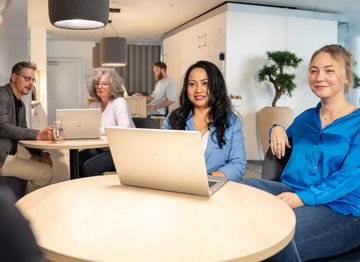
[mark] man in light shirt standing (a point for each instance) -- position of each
(164, 94)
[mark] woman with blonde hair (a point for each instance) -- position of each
(321, 181)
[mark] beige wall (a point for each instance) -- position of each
(245, 37)
(14, 42)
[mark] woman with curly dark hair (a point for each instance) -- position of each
(206, 107)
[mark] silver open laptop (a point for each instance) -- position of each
(80, 123)
(162, 159)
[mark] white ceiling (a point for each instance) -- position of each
(145, 21)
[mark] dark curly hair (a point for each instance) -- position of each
(219, 102)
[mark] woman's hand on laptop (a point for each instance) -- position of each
(217, 173)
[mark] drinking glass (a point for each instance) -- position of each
(58, 131)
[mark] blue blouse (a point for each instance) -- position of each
(324, 167)
(230, 159)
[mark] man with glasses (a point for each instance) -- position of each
(13, 127)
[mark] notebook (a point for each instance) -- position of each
(168, 160)
(80, 123)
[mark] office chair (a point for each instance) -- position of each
(142, 122)
(17, 241)
(144, 93)
(272, 169)
(17, 185)
(160, 115)
(272, 166)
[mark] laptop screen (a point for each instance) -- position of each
(169, 160)
(80, 123)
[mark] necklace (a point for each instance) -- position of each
(201, 121)
(327, 118)
(202, 128)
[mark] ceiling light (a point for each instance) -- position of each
(113, 51)
(79, 14)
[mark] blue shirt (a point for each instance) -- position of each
(324, 167)
(230, 159)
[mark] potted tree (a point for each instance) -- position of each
(274, 72)
(356, 81)
(353, 94)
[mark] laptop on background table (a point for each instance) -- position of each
(80, 123)
(170, 160)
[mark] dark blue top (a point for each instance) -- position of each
(324, 167)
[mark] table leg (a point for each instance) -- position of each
(74, 163)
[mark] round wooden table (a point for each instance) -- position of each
(98, 219)
(74, 145)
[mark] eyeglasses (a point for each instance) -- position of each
(28, 78)
(101, 84)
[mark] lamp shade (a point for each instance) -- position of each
(96, 56)
(113, 51)
(79, 14)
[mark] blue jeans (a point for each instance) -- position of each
(320, 232)
(94, 162)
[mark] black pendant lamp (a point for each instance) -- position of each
(79, 14)
(113, 51)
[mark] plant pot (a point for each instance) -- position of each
(268, 116)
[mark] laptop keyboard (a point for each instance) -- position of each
(211, 183)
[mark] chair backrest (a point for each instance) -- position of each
(166, 113)
(273, 166)
(272, 169)
(141, 122)
(17, 185)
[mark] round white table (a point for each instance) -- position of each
(74, 145)
(98, 219)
